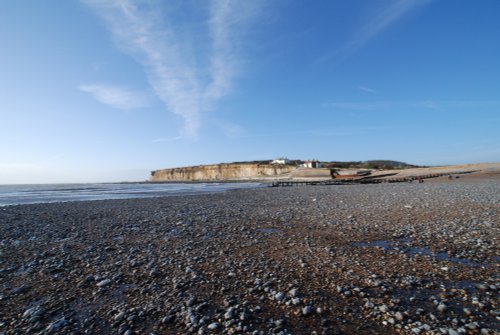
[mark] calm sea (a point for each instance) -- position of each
(31, 194)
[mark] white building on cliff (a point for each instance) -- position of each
(281, 161)
(312, 164)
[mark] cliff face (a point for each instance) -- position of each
(220, 172)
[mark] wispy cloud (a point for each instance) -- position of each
(425, 104)
(312, 132)
(164, 48)
(117, 97)
(381, 20)
(357, 106)
(367, 89)
(378, 21)
(170, 139)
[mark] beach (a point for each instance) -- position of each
(403, 258)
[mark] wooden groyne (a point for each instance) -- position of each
(413, 178)
(310, 182)
(363, 180)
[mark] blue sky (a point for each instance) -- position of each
(100, 90)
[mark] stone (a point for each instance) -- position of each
(167, 319)
(213, 326)
(441, 307)
(104, 283)
(230, 313)
(279, 296)
(21, 289)
(33, 314)
(191, 301)
(56, 325)
(30, 311)
(307, 310)
(120, 316)
(383, 308)
(243, 316)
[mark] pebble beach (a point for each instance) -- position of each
(403, 258)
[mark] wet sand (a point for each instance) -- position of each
(402, 258)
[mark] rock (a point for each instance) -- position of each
(213, 326)
(21, 289)
(30, 311)
(104, 283)
(56, 325)
(133, 318)
(33, 314)
(398, 316)
(472, 325)
(82, 283)
(279, 323)
(307, 310)
(441, 307)
(167, 319)
(230, 313)
(383, 308)
(279, 296)
(192, 318)
(482, 287)
(119, 317)
(191, 301)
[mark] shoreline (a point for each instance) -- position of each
(31, 194)
(385, 259)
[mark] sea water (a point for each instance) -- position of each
(31, 194)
